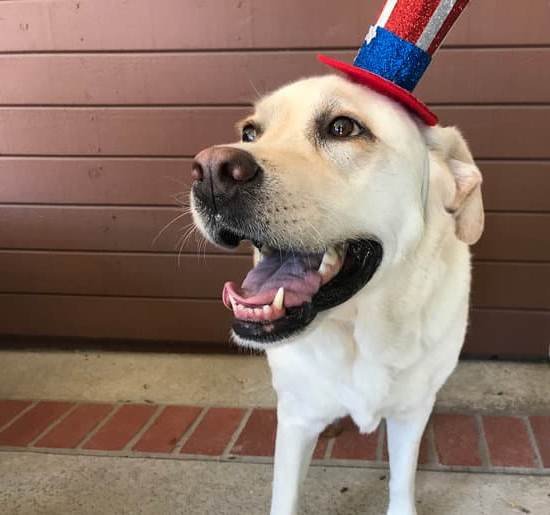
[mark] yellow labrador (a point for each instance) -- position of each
(361, 218)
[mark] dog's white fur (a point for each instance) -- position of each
(386, 352)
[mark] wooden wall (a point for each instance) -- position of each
(104, 102)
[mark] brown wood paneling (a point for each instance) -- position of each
(501, 132)
(508, 334)
(456, 76)
(505, 333)
(176, 131)
(495, 285)
(138, 92)
(507, 236)
(516, 186)
(126, 181)
(468, 76)
(511, 285)
(109, 274)
(96, 228)
(170, 24)
(120, 131)
(114, 317)
(166, 181)
(514, 236)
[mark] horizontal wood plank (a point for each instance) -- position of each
(503, 333)
(125, 181)
(98, 229)
(115, 317)
(501, 132)
(148, 182)
(179, 131)
(511, 285)
(456, 76)
(495, 285)
(116, 131)
(508, 334)
(507, 236)
(54, 25)
(133, 275)
(516, 185)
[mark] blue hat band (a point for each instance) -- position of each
(393, 59)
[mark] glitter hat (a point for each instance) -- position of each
(399, 47)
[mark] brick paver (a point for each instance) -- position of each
(10, 409)
(74, 428)
(167, 429)
(120, 429)
(214, 432)
(25, 429)
(456, 439)
(351, 445)
(258, 436)
(510, 441)
(541, 430)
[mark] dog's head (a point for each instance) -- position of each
(329, 179)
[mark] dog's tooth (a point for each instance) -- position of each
(267, 310)
(324, 269)
(330, 257)
(279, 298)
(258, 312)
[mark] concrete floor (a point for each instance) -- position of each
(39, 483)
(100, 485)
(234, 380)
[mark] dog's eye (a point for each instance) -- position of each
(344, 127)
(250, 133)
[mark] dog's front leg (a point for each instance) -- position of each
(404, 435)
(294, 447)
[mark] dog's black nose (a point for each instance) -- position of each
(219, 173)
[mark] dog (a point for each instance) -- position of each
(361, 219)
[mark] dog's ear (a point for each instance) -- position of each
(465, 201)
(467, 205)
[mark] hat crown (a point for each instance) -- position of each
(424, 23)
(400, 45)
(398, 49)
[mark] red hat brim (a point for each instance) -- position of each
(383, 86)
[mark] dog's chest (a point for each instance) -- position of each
(322, 377)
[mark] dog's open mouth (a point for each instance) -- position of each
(284, 292)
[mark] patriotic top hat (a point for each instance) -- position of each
(399, 47)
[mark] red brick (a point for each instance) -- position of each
(73, 428)
(456, 439)
(541, 429)
(10, 409)
(167, 429)
(508, 442)
(25, 429)
(423, 453)
(351, 445)
(120, 429)
(320, 449)
(214, 431)
(258, 436)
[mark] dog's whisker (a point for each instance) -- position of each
(166, 227)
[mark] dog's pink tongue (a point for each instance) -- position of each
(296, 273)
